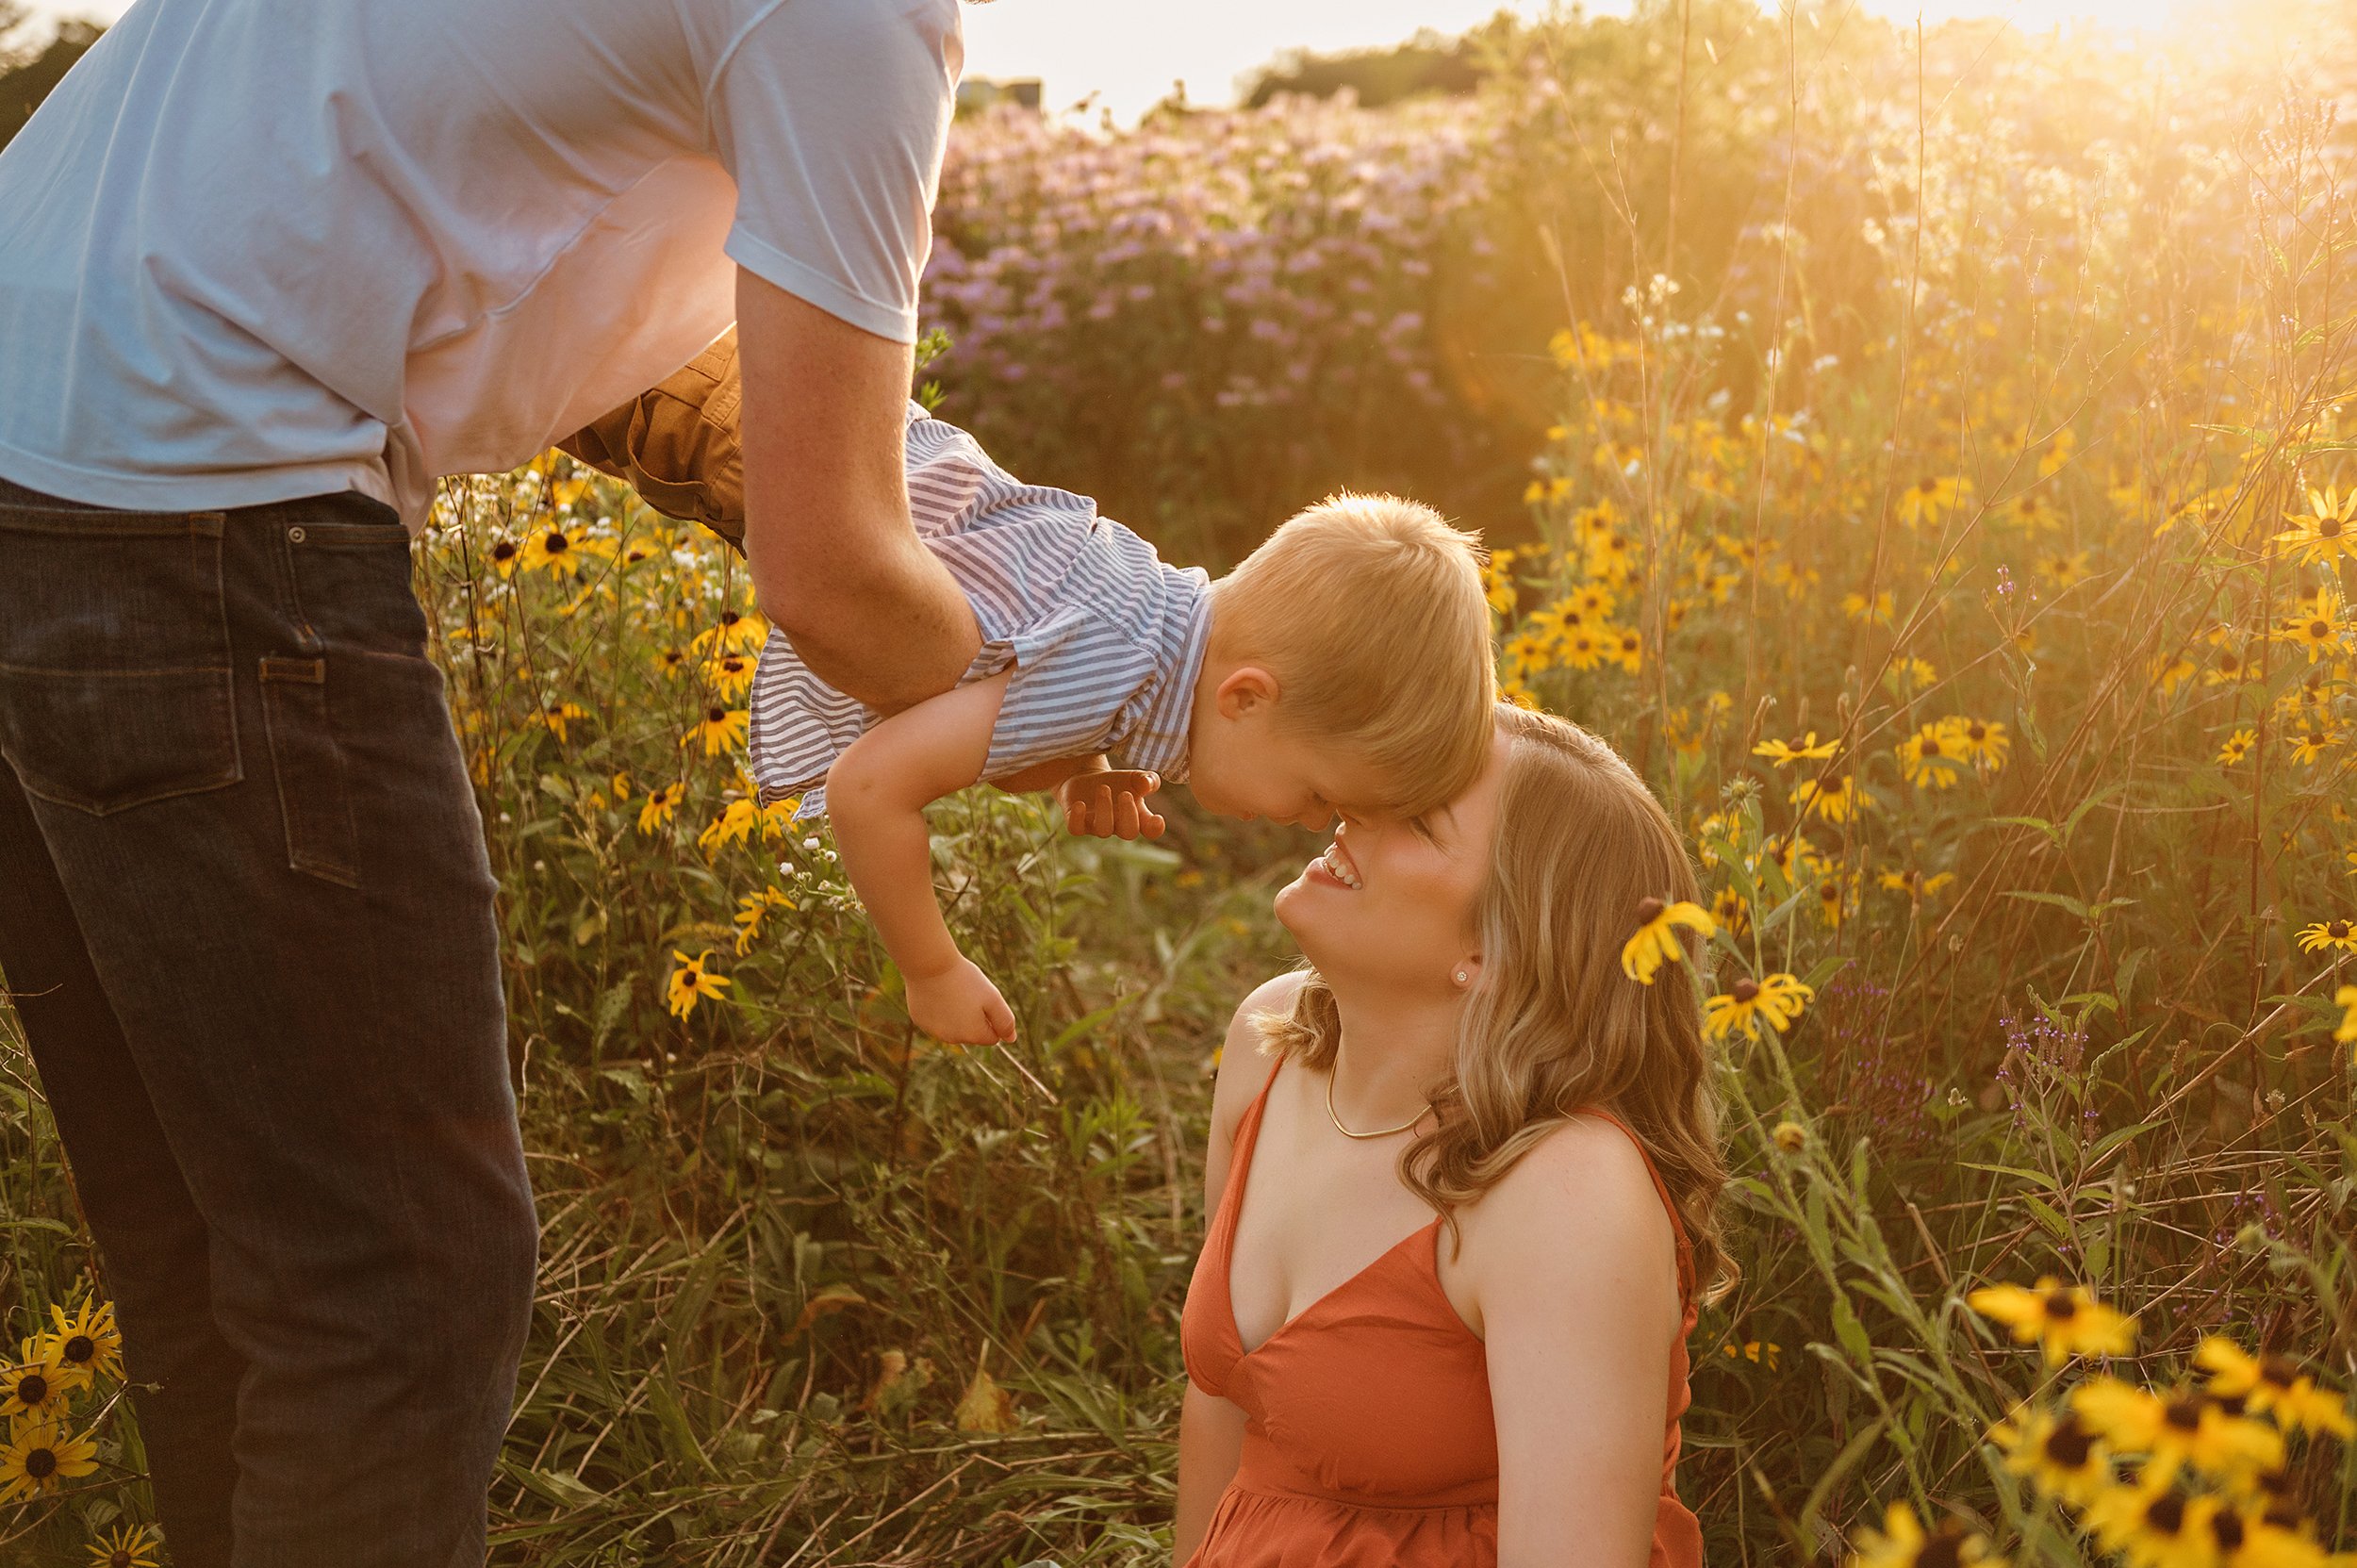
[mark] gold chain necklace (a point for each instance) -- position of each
(1336, 1072)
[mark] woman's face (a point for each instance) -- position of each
(1390, 905)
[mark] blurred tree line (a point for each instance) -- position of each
(29, 70)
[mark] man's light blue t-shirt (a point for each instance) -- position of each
(254, 249)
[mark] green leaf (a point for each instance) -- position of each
(1850, 1332)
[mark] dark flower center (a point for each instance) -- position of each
(1942, 1550)
(716, 715)
(119, 1559)
(2338, 930)
(2328, 528)
(672, 655)
(2229, 663)
(2228, 1404)
(2184, 1414)
(1925, 486)
(1746, 990)
(2225, 1525)
(503, 551)
(1649, 910)
(32, 1389)
(40, 1463)
(729, 619)
(2319, 629)
(1829, 892)
(1979, 732)
(1629, 642)
(80, 1348)
(2069, 1443)
(2166, 1514)
(2275, 1369)
(1931, 746)
(2061, 1305)
(557, 543)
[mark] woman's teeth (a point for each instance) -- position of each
(1338, 866)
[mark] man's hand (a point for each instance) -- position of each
(1111, 803)
(960, 1006)
(835, 560)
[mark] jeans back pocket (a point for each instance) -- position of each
(115, 675)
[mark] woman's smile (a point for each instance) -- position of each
(1335, 865)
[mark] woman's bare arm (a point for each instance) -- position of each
(1210, 1429)
(1573, 1266)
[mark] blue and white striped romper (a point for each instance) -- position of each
(1106, 638)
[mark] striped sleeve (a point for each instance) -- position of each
(1074, 674)
(800, 726)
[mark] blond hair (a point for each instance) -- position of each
(1554, 1026)
(1369, 611)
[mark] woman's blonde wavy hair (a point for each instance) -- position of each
(1554, 1026)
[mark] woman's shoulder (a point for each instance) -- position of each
(1245, 1068)
(1582, 1191)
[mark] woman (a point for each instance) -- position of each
(1465, 1054)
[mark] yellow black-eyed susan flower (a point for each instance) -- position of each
(1930, 499)
(1656, 941)
(2240, 1536)
(1983, 741)
(2057, 1451)
(1807, 748)
(2313, 742)
(734, 631)
(559, 549)
(37, 1388)
(1913, 884)
(660, 805)
(1836, 899)
(731, 674)
(2237, 746)
(2273, 1385)
(2317, 627)
(1790, 1136)
(1837, 800)
(560, 718)
(1902, 1543)
(87, 1338)
(1731, 910)
(2065, 568)
(2326, 531)
(1779, 998)
(2147, 1523)
(1929, 759)
(1758, 1352)
(735, 825)
(40, 1457)
(124, 1546)
(503, 555)
(2346, 999)
(720, 729)
(752, 909)
(2066, 1320)
(692, 982)
(2181, 1427)
(2336, 934)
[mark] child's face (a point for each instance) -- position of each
(1243, 762)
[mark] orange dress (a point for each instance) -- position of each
(1370, 1441)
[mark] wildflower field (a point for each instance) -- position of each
(1931, 456)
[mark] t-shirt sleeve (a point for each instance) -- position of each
(1075, 677)
(831, 115)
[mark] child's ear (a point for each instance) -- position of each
(1247, 689)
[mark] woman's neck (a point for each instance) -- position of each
(1395, 1051)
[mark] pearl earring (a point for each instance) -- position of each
(1461, 977)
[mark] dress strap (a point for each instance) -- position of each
(1241, 1151)
(1677, 1226)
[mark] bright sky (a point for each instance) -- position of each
(1131, 50)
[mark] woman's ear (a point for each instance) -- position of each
(1246, 689)
(1468, 971)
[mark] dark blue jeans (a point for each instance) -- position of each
(246, 917)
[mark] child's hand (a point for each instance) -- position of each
(960, 1006)
(1111, 803)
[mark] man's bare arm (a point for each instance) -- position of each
(835, 560)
